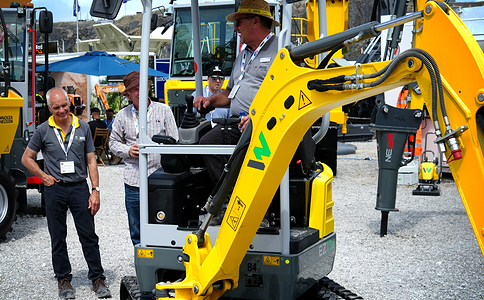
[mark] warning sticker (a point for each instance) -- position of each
(6, 119)
(146, 253)
(235, 213)
(271, 260)
(303, 100)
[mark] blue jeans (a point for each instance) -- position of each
(131, 195)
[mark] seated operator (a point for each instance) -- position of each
(253, 21)
(215, 81)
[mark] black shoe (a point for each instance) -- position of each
(66, 291)
(101, 289)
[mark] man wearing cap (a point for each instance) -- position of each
(41, 109)
(215, 81)
(68, 151)
(253, 21)
(123, 143)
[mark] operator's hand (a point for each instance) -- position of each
(243, 123)
(201, 102)
(49, 180)
(134, 151)
(94, 202)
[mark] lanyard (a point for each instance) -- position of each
(71, 138)
(254, 55)
(135, 117)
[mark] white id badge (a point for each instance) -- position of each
(234, 91)
(67, 167)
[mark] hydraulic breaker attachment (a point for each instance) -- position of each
(392, 127)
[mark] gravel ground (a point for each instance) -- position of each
(430, 251)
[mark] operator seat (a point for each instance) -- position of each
(178, 190)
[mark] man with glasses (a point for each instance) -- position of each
(215, 81)
(253, 22)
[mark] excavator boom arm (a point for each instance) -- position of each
(285, 108)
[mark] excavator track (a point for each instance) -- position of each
(325, 289)
(129, 289)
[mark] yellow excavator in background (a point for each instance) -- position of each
(19, 82)
(336, 15)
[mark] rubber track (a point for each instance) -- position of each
(129, 289)
(327, 289)
(338, 289)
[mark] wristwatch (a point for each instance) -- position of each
(96, 189)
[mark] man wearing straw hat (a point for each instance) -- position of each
(253, 22)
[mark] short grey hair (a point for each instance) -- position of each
(47, 95)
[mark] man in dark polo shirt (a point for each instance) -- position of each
(68, 151)
(96, 123)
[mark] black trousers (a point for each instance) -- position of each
(219, 135)
(74, 196)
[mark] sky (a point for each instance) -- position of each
(62, 10)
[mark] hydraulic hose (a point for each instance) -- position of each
(226, 182)
(320, 85)
(328, 57)
(347, 42)
(439, 81)
(436, 88)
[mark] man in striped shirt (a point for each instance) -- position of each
(123, 143)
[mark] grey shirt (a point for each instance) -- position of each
(45, 140)
(254, 75)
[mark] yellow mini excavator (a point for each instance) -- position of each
(182, 257)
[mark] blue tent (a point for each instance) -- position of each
(98, 63)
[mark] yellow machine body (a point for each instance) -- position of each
(428, 171)
(9, 118)
(336, 21)
(283, 111)
(321, 210)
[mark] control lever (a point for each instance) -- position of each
(190, 119)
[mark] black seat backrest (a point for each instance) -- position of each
(172, 163)
(304, 156)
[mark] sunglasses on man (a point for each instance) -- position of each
(237, 21)
(215, 78)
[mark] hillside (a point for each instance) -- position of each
(65, 32)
